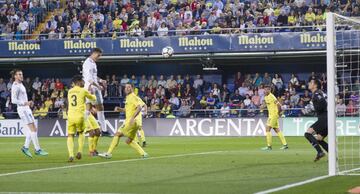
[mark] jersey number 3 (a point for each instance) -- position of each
(74, 100)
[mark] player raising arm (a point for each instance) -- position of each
(19, 97)
(76, 115)
(129, 129)
(274, 111)
(318, 104)
(89, 71)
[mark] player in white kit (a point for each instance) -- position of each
(19, 97)
(89, 72)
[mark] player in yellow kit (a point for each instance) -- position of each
(93, 128)
(140, 132)
(274, 111)
(76, 115)
(131, 125)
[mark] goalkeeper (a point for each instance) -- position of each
(320, 127)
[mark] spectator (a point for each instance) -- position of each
(161, 81)
(163, 30)
(243, 90)
(210, 101)
(294, 80)
(174, 101)
(184, 110)
(36, 84)
(351, 109)
(257, 80)
(341, 108)
(225, 110)
(59, 85)
(166, 110)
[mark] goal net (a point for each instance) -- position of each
(343, 75)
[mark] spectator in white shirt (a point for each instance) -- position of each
(340, 108)
(294, 80)
(163, 30)
(243, 90)
(37, 84)
(174, 100)
(124, 80)
(24, 25)
(225, 110)
(161, 81)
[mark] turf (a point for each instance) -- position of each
(238, 167)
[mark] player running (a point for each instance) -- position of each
(19, 97)
(318, 104)
(129, 129)
(92, 127)
(76, 115)
(274, 111)
(89, 71)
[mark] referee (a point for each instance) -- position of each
(320, 127)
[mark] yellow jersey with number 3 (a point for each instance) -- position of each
(77, 101)
(271, 104)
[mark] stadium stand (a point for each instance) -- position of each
(99, 18)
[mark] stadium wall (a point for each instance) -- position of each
(238, 127)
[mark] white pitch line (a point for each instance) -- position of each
(293, 185)
(108, 162)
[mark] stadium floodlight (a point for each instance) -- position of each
(343, 74)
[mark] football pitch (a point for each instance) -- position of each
(176, 165)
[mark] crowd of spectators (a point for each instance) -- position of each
(109, 18)
(189, 96)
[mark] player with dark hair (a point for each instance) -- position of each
(274, 111)
(19, 97)
(77, 97)
(93, 82)
(320, 127)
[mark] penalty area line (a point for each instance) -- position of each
(108, 162)
(288, 186)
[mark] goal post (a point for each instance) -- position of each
(331, 81)
(343, 94)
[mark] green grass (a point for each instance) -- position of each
(241, 168)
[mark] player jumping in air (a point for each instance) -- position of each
(77, 97)
(320, 127)
(129, 129)
(89, 71)
(274, 111)
(93, 128)
(19, 97)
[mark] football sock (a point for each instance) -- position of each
(324, 145)
(113, 144)
(313, 142)
(27, 140)
(137, 147)
(81, 141)
(35, 140)
(101, 119)
(91, 144)
(70, 145)
(282, 138)
(268, 138)
(142, 135)
(96, 139)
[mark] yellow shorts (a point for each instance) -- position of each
(76, 124)
(273, 122)
(129, 130)
(91, 124)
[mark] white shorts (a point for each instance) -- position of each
(98, 94)
(26, 115)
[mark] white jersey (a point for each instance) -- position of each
(89, 72)
(18, 94)
(19, 97)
